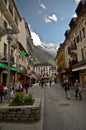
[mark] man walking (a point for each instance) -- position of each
(26, 86)
(67, 89)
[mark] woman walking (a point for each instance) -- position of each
(77, 87)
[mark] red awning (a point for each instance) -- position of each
(82, 67)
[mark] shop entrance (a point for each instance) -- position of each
(4, 78)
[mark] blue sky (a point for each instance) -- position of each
(48, 19)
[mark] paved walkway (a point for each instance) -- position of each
(37, 92)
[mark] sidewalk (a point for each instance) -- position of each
(37, 92)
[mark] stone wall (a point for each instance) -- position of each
(21, 113)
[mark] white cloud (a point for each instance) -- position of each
(36, 38)
(51, 18)
(77, 1)
(37, 41)
(74, 16)
(42, 6)
(47, 20)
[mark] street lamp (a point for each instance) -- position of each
(9, 33)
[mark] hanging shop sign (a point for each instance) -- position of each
(22, 53)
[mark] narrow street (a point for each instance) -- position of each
(57, 113)
(63, 114)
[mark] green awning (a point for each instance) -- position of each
(5, 66)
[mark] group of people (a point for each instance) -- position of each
(77, 87)
(6, 91)
(44, 82)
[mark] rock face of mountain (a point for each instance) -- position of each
(44, 54)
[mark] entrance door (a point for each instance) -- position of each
(4, 79)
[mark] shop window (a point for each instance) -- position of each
(5, 24)
(83, 32)
(85, 22)
(85, 53)
(5, 49)
(80, 35)
(77, 39)
(11, 52)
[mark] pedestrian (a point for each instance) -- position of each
(50, 82)
(11, 90)
(63, 86)
(17, 86)
(67, 89)
(21, 87)
(1, 92)
(5, 89)
(78, 89)
(26, 86)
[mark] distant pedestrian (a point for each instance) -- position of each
(21, 87)
(50, 82)
(26, 86)
(1, 92)
(17, 86)
(78, 89)
(67, 89)
(63, 86)
(11, 90)
(5, 89)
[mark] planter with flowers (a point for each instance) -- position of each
(21, 108)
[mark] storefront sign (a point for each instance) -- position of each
(22, 53)
(5, 66)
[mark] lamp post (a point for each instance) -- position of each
(9, 33)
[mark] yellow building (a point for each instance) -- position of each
(60, 62)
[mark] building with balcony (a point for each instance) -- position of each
(75, 45)
(9, 19)
(42, 70)
(25, 53)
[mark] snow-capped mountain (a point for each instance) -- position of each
(51, 48)
(45, 52)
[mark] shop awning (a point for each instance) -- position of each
(5, 66)
(34, 76)
(82, 67)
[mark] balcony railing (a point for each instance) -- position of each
(4, 58)
(8, 12)
(72, 62)
(72, 48)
